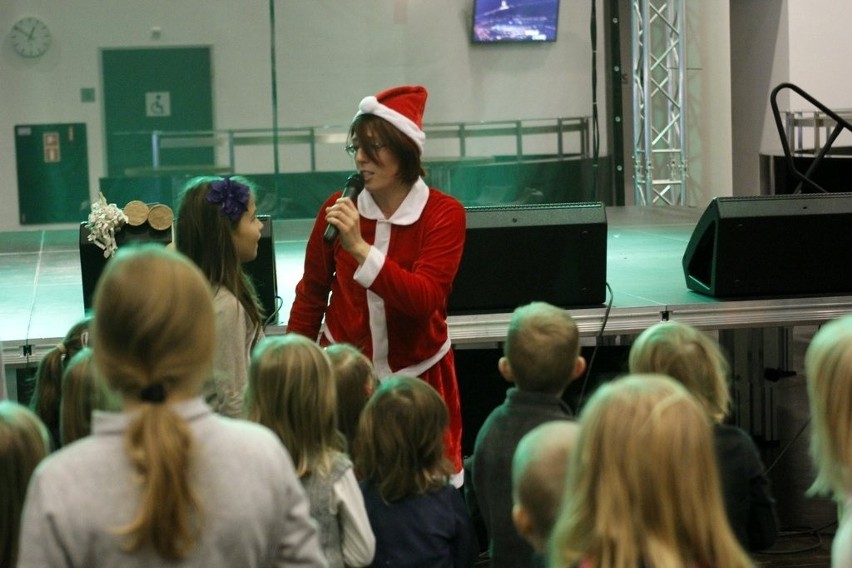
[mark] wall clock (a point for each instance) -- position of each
(30, 37)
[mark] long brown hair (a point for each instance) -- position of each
(400, 442)
(154, 326)
(23, 444)
(205, 236)
(46, 396)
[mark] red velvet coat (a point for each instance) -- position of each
(394, 306)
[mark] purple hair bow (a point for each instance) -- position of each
(231, 197)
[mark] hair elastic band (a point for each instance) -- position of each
(154, 393)
(61, 347)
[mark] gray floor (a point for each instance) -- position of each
(808, 523)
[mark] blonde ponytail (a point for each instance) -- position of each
(157, 351)
(160, 446)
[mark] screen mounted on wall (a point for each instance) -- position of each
(514, 21)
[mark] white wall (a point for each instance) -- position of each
(708, 88)
(775, 41)
(330, 54)
(759, 62)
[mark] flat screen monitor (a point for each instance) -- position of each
(514, 21)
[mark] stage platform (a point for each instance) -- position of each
(41, 291)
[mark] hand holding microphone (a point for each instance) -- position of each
(354, 185)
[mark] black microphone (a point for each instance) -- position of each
(354, 185)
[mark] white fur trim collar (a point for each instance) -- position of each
(407, 214)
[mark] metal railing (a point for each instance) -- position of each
(313, 137)
(806, 131)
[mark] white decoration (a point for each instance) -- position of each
(104, 220)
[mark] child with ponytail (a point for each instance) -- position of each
(155, 483)
(47, 394)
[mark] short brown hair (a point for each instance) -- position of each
(542, 346)
(371, 127)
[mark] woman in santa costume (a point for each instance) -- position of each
(391, 268)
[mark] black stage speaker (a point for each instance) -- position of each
(262, 271)
(517, 254)
(772, 246)
(92, 259)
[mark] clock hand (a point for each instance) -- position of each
(32, 31)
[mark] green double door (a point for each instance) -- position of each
(146, 90)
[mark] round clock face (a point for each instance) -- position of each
(30, 37)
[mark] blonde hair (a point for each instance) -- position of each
(356, 380)
(23, 444)
(82, 392)
(689, 356)
(539, 467)
(47, 393)
(291, 391)
(643, 485)
(400, 442)
(154, 328)
(542, 346)
(828, 366)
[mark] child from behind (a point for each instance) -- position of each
(538, 480)
(165, 482)
(642, 486)
(695, 360)
(47, 394)
(828, 366)
(541, 357)
(356, 381)
(82, 392)
(292, 392)
(23, 444)
(418, 517)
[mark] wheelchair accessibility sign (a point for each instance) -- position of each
(158, 104)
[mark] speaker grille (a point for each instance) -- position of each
(772, 246)
(516, 255)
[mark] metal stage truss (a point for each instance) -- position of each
(659, 102)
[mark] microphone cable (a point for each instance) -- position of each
(598, 338)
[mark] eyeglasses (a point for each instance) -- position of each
(352, 149)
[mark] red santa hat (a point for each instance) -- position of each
(401, 106)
